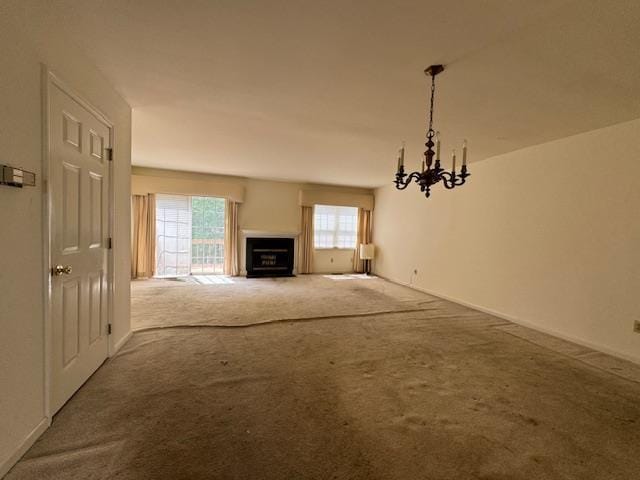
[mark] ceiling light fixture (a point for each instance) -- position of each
(430, 176)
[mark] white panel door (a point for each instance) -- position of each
(79, 193)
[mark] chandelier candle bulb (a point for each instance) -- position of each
(401, 157)
(464, 153)
(437, 145)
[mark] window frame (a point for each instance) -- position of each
(336, 230)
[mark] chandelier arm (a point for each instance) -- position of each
(401, 183)
(450, 180)
(463, 176)
(449, 184)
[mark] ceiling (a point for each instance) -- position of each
(325, 91)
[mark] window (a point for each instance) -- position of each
(189, 235)
(335, 227)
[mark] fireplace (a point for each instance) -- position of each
(269, 257)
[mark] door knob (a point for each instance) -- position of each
(61, 270)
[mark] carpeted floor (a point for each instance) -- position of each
(439, 393)
(162, 303)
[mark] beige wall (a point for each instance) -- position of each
(333, 260)
(267, 206)
(275, 207)
(547, 236)
(270, 206)
(22, 394)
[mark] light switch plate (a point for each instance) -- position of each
(16, 177)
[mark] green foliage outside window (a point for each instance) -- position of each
(207, 215)
(207, 234)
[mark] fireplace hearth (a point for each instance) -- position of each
(269, 257)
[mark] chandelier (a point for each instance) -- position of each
(431, 173)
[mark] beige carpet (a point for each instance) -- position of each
(162, 303)
(446, 393)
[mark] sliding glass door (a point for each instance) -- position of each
(173, 235)
(207, 244)
(189, 235)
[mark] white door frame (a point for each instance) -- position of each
(50, 79)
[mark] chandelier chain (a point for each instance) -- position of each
(433, 91)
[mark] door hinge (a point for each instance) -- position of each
(108, 329)
(109, 243)
(109, 154)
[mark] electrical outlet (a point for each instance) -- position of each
(636, 326)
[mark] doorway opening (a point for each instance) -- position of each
(189, 235)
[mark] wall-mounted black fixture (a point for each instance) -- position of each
(16, 177)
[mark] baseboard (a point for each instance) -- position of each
(518, 321)
(24, 446)
(121, 343)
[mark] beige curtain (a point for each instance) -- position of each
(364, 236)
(143, 241)
(306, 241)
(231, 238)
